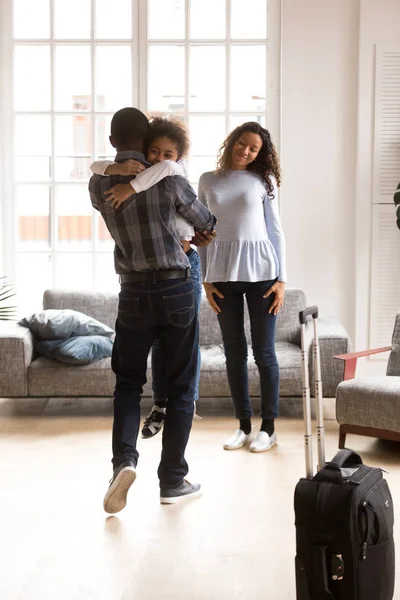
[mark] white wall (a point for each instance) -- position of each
(379, 24)
(318, 150)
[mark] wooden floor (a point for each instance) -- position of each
(236, 541)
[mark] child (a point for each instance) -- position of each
(167, 143)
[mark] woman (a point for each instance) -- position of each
(167, 144)
(247, 259)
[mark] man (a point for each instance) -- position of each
(156, 299)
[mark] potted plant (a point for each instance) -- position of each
(7, 312)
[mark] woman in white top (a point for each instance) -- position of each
(247, 259)
(166, 147)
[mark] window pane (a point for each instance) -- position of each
(74, 217)
(32, 144)
(199, 165)
(31, 19)
(207, 72)
(73, 85)
(32, 136)
(103, 147)
(166, 19)
(73, 146)
(166, 87)
(32, 78)
(74, 271)
(112, 93)
(248, 77)
(236, 120)
(249, 20)
(34, 276)
(33, 206)
(208, 134)
(72, 19)
(32, 169)
(106, 280)
(202, 26)
(115, 23)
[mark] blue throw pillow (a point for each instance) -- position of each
(78, 350)
(55, 324)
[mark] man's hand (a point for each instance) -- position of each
(279, 290)
(119, 193)
(129, 167)
(203, 238)
(210, 290)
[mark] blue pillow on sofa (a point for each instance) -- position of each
(77, 350)
(53, 324)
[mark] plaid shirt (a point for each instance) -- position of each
(144, 227)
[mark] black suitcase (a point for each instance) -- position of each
(343, 514)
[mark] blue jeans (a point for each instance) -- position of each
(146, 311)
(263, 325)
(157, 357)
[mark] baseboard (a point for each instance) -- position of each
(290, 407)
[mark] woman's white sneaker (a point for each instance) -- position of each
(237, 440)
(263, 442)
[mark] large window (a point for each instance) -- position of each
(75, 62)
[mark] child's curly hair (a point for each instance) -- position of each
(171, 128)
(267, 161)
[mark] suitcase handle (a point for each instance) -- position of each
(310, 311)
(303, 315)
(342, 457)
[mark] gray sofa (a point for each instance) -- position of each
(22, 374)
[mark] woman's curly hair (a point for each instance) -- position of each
(267, 161)
(173, 129)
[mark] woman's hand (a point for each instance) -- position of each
(119, 193)
(129, 167)
(210, 290)
(279, 290)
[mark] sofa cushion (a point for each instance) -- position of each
(77, 350)
(51, 378)
(54, 324)
(369, 402)
(48, 378)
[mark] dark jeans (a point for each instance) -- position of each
(166, 310)
(157, 356)
(263, 324)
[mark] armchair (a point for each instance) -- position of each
(370, 406)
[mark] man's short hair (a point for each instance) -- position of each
(129, 125)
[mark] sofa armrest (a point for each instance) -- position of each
(333, 340)
(16, 354)
(350, 360)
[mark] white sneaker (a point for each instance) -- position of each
(263, 442)
(237, 440)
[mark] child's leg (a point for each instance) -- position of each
(154, 422)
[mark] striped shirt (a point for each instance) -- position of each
(144, 226)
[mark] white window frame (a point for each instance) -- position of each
(8, 213)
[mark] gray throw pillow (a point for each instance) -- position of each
(53, 324)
